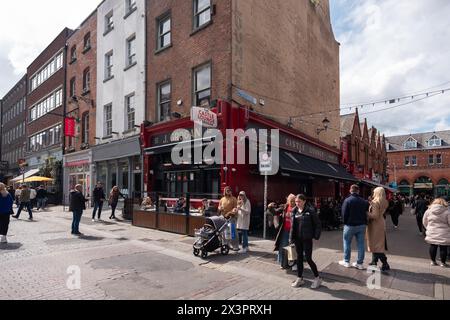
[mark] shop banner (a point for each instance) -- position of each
(69, 127)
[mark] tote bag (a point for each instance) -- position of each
(291, 253)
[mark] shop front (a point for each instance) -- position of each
(78, 170)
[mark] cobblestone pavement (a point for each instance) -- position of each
(118, 261)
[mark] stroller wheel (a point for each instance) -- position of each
(225, 250)
(196, 252)
(204, 254)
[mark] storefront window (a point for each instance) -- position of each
(125, 181)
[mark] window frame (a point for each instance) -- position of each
(195, 90)
(109, 58)
(130, 7)
(108, 129)
(159, 23)
(197, 13)
(109, 22)
(131, 58)
(431, 157)
(160, 103)
(407, 161)
(439, 156)
(127, 111)
(86, 80)
(73, 54)
(72, 87)
(85, 128)
(87, 42)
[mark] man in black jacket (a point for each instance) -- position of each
(421, 205)
(354, 213)
(41, 198)
(77, 205)
(99, 198)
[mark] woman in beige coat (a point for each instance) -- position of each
(437, 224)
(376, 230)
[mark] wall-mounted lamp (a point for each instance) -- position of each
(325, 124)
(176, 115)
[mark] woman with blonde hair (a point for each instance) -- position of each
(437, 224)
(285, 224)
(114, 200)
(376, 230)
(6, 210)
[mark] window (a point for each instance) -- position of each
(46, 72)
(58, 134)
(407, 161)
(130, 109)
(130, 6)
(109, 23)
(202, 86)
(434, 142)
(109, 65)
(131, 51)
(73, 53)
(430, 159)
(439, 159)
(164, 100)
(202, 12)
(410, 144)
(414, 160)
(108, 120)
(72, 87)
(86, 80)
(164, 32)
(87, 41)
(85, 128)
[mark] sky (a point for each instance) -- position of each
(389, 49)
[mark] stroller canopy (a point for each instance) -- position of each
(216, 222)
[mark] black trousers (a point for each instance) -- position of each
(4, 224)
(305, 246)
(419, 219)
(394, 217)
(379, 256)
(442, 251)
(113, 208)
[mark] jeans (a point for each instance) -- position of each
(442, 251)
(305, 246)
(234, 237)
(113, 208)
(97, 206)
(27, 205)
(41, 203)
(359, 232)
(284, 241)
(76, 221)
(244, 235)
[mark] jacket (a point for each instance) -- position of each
(437, 224)
(114, 198)
(99, 194)
(77, 201)
(243, 216)
(376, 229)
(354, 210)
(228, 204)
(25, 195)
(6, 204)
(41, 194)
(421, 206)
(281, 213)
(305, 225)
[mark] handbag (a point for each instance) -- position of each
(291, 253)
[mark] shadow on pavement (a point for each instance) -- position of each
(90, 238)
(10, 246)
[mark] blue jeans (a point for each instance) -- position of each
(26, 205)
(97, 206)
(76, 221)
(283, 243)
(244, 235)
(360, 233)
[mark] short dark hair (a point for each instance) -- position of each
(301, 197)
(354, 188)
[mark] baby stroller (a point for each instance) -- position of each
(215, 234)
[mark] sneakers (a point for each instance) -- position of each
(294, 267)
(244, 250)
(444, 265)
(344, 264)
(358, 266)
(316, 283)
(433, 263)
(3, 239)
(93, 220)
(298, 283)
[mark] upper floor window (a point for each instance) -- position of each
(164, 100)
(109, 22)
(131, 50)
(202, 86)
(410, 144)
(431, 159)
(72, 87)
(439, 159)
(109, 65)
(202, 12)
(86, 80)
(47, 71)
(130, 6)
(130, 111)
(407, 161)
(87, 41)
(164, 32)
(85, 128)
(435, 142)
(108, 120)
(414, 160)
(73, 54)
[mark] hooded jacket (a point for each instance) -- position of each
(437, 224)
(6, 203)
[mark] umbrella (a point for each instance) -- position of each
(38, 179)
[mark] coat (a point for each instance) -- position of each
(6, 203)
(77, 201)
(282, 217)
(354, 210)
(376, 229)
(243, 216)
(305, 225)
(437, 224)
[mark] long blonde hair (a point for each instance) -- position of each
(289, 199)
(379, 196)
(440, 201)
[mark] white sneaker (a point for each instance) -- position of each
(344, 264)
(294, 267)
(3, 240)
(298, 283)
(93, 220)
(358, 266)
(243, 251)
(444, 265)
(316, 283)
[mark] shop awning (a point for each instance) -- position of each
(28, 174)
(299, 163)
(376, 184)
(167, 148)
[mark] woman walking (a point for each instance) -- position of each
(114, 200)
(282, 239)
(305, 227)
(6, 210)
(244, 210)
(437, 224)
(376, 230)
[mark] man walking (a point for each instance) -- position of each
(41, 198)
(24, 199)
(99, 198)
(354, 213)
(77, 205)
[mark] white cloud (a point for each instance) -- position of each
(394, 48)
(29, 26)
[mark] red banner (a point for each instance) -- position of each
(69, 127)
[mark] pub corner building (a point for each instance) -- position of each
(306, 166)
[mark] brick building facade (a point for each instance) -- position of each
(420, 163)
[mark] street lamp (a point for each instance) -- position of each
(325, 124)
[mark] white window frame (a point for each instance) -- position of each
(109, 64)
(198, 13)
(108, 121)
(130, 116)
(161, 102)
(131, 50)
(161, 34)
(109, 21)
(196, 90)
(435, 141)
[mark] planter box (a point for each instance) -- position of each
(144, 219)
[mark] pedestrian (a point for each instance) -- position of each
(305, 227)
(114, 200)
(227, 206)
(77, 205)
(180, 206)
(244, 210)
(421, 205)
(24, 202)
(17, 196)
(376, 229)
(396, 210)
(99, 198)
(284, 228)
(6, 209)
(33, 195)
(41, 198)
(436, 220)
(354, 213)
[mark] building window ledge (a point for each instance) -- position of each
(158, 51)
(129, 13)
(108, 31)
(85, 92)
(107, 79)
(86, 49)
(129, 131)
(107, 137)
(206, 25)
(130, 66)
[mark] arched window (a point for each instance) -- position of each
(85, 128)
